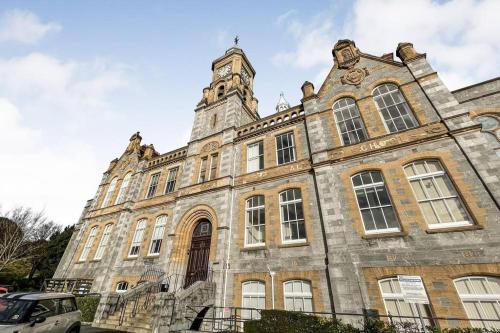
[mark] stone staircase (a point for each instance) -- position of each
(189, 303)
(140, 322)
(154, 312)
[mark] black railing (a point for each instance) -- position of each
(233, 319)
(152, 282)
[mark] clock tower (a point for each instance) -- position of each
(228, 101)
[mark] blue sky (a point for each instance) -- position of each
(78, 78)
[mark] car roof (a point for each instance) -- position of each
(33, 296)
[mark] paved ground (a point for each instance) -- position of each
(89, 329)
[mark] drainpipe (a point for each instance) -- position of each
(228, 249)
(272, 284)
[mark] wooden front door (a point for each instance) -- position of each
(197, 268)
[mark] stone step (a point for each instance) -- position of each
(128, 323)
(125, 329)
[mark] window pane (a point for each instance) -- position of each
(418, 190)
(390, 216)
(379, 218)
(457, 209)
(356, 180)
(428, 213)
(372, 197)
(445, 185)
(391, 307)
(442, 212)
(368, 220)
(385, 286)
(383, 196)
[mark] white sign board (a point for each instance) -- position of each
(413, 289)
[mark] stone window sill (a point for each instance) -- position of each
(385, 235)
(253, 248)
(455, 229)
(298, 244)
(152, 256)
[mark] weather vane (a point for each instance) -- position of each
(236, 40)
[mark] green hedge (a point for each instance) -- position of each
(278, 321)
(88, 306)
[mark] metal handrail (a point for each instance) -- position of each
(149, 285)
(75, 286)
(234, 319)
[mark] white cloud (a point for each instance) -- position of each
(313, 40)
(24, 27)
(40, 175)
(69, 85)
(48, 110)
(460, 37)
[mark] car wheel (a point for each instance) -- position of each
(75, 329)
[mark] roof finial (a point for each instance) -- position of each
(236, 40)
(282, 103)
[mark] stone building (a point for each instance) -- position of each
(380, 172)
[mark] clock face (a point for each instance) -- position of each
(244, 76)
(224, 70)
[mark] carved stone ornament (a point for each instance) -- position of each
(211, 146)
(354, 76)
(134, 143)
(346, 53)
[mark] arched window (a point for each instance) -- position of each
(204, 228)
(220, 91)
(374, 202)
(109, 193)
(349, 122)
(157, 238)
(255, 221)
(293, 227)
(88, 244)
(135, 247)
(123, 189)
(393, 107)
(298, 296)
(395, 304)
(436, 195)
(480, 296)
(121, 286)
(104, 241)
(253, 294)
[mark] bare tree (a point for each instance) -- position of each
(22, 232)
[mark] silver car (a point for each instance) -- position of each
(38, 312)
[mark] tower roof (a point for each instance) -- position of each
(282, 103)
(235, 49)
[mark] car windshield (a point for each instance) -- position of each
(13, 310)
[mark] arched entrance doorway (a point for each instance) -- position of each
(197, 268)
